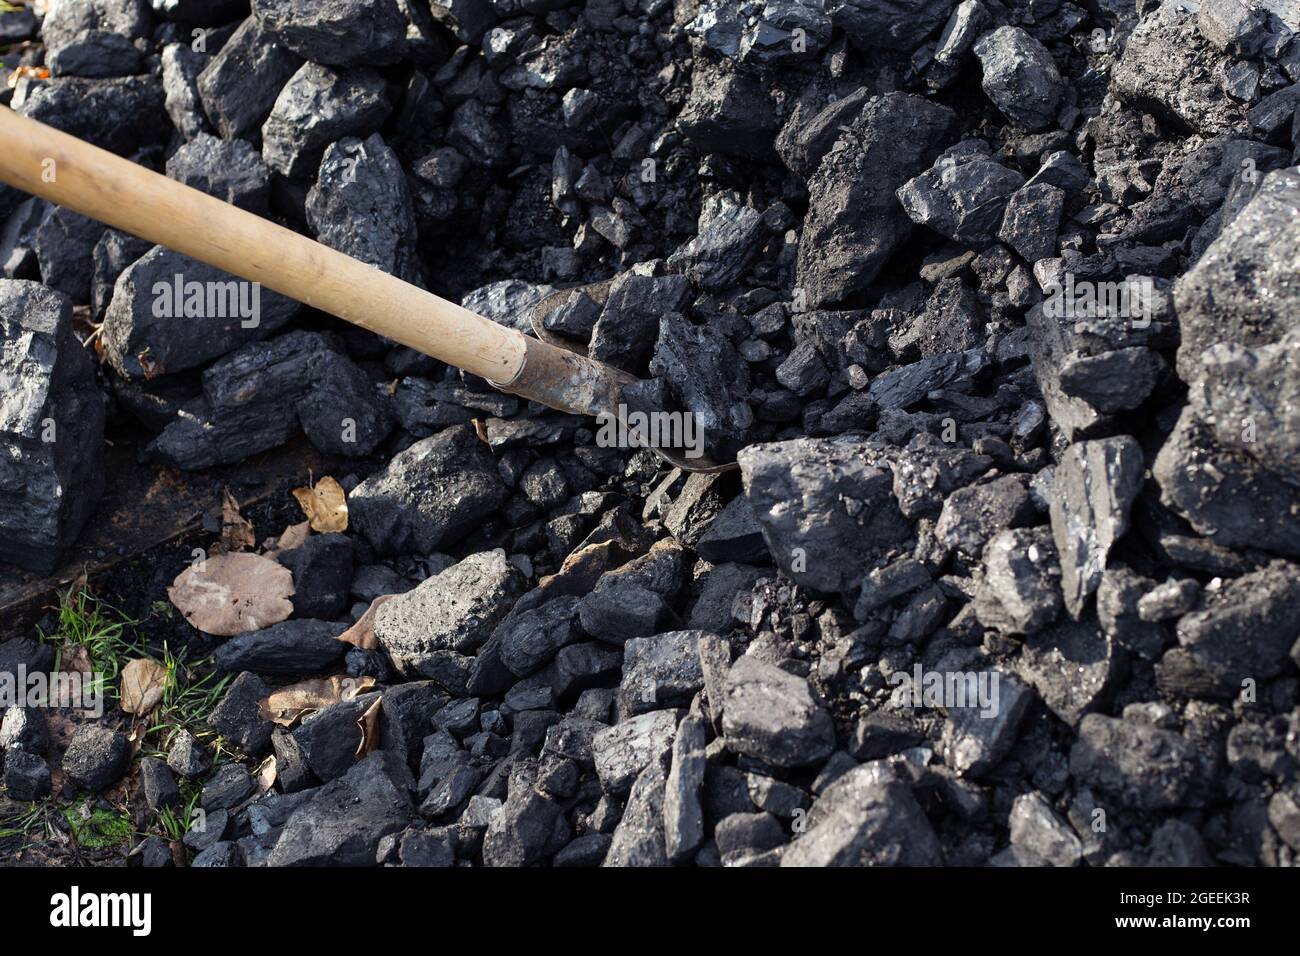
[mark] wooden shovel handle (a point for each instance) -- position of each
(94, 182)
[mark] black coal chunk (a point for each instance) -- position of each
(231, 170)
(1243, 636)
(336, 32)
(51, 427)
(826, 508)
(1020, 77)
(361, 205)
(240, 84)
(317, 107)
(94, 39)
(291, 648)
(170, 313)
(96, 757)
(322, 575)
(430, 495)
(120, 115)
(854, 222)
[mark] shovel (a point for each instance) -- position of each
(100, 185)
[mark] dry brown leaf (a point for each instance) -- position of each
(236, 530)
(362, 633)
(294, 536)
(76, 660)
(143, 683)
(266, 774)
(230, 594)
(288, 705)
(369, 724)
(325, 505)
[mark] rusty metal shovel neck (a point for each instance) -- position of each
(45, 162)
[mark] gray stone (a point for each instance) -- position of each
(863, 819)
(451, 614)
(825, 508)
(1139, 765)
(96, 757)
(1092, 491)
(1020, 77)
(772, 716)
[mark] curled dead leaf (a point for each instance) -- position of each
(294, 536)
(325, 505)
(236, 530)
(288, 705)
(362, 633)
(266, 774)
(231, 594)
(143, 684)
(369, 724)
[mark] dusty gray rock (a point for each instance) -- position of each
(1020, 77)
(1092, 491)
(449, 616)
(1140, 765)
(865, 818)
(771, 715)
(801, 492)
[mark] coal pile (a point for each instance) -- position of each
(996, 305)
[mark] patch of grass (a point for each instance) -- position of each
(36, 814)
(96, 828)
(107, 635)
(176, 823)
